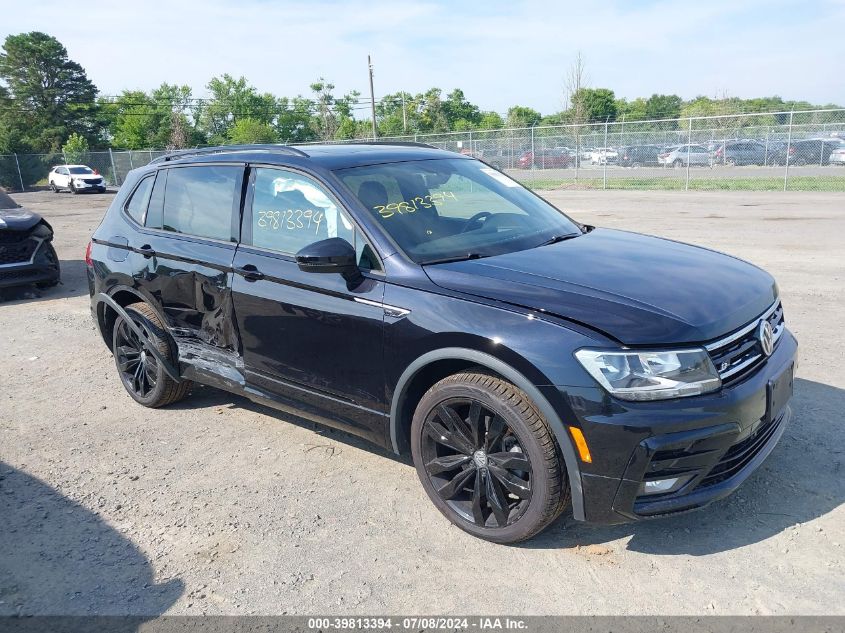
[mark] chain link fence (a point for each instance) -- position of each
(781, 151)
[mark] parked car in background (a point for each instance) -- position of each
(680, 155)
(744, 152)
(809, 151)
(547, 158)
(837, 156)
(27, 255)
(498, 158)
(603, 155)
(638, 155)
(75, 178)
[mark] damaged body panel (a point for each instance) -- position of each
(27, 255)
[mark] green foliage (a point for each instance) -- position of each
(75, 150)
(248, 131)
(597, 104)
(663, 107)
(52, 95)
(233, 99)
(521, 116)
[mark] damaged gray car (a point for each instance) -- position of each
(27, 255)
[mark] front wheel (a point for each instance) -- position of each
(73, 189)
(487, 458)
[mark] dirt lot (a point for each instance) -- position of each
(217, 505)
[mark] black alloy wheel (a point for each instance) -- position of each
(487, 458)
(476, 464)
(140, 371)
(138, 368)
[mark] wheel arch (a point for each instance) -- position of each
(122, 296)
(437, 364)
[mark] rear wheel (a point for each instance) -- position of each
(53, 187)
(487, 458)
(141, 374)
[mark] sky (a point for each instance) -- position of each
(500, 53)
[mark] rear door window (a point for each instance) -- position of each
(200, 200)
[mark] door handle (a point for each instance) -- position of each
(250, 273)
(146, 250)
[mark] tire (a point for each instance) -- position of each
(678, 163)
(506, 472)
(73, 189)
(101, 190)
(54, 188)
(150, 385)
(51, 258)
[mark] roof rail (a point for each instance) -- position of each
(222, 149)
(408, 143)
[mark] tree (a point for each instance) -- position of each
(576, 81)
(597, 104)
(293, 121)
(333, 118)
(249, 131)
(491, 121)
(460, 113)
(233, 99)
(75, 149)
(521, 116)
(52, 95)
(663, 106)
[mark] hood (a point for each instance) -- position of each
(18, 219)
(638, 289)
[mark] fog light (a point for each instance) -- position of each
(657, 486)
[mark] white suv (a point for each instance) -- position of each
(76, 178)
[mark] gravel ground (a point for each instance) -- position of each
(217, 505)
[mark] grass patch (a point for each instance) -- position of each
(797, 183)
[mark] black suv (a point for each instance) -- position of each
(639, 155)
(431, 304)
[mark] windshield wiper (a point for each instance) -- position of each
(458, 258)
(558, 238)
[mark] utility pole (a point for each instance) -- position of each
(404, 114)
(372, 97)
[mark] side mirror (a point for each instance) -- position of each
(334, 255)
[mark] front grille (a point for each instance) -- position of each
(740, 454)
(738, 354)
(19, 253)
(93, 181)
(13, 237)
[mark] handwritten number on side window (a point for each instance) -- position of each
(290, 220)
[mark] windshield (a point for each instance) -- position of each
(454, 209)
(80, 170)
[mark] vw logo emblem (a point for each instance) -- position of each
(766, 336)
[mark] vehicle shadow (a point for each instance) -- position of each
(73, 284)
(59, 558)
(800, 481)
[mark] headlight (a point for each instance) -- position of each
(651, 375)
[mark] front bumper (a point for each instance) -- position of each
(36, 269)
(710, 443)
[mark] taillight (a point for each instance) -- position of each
(791, 151)
(88, 261)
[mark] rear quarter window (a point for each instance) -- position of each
(136, 206)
